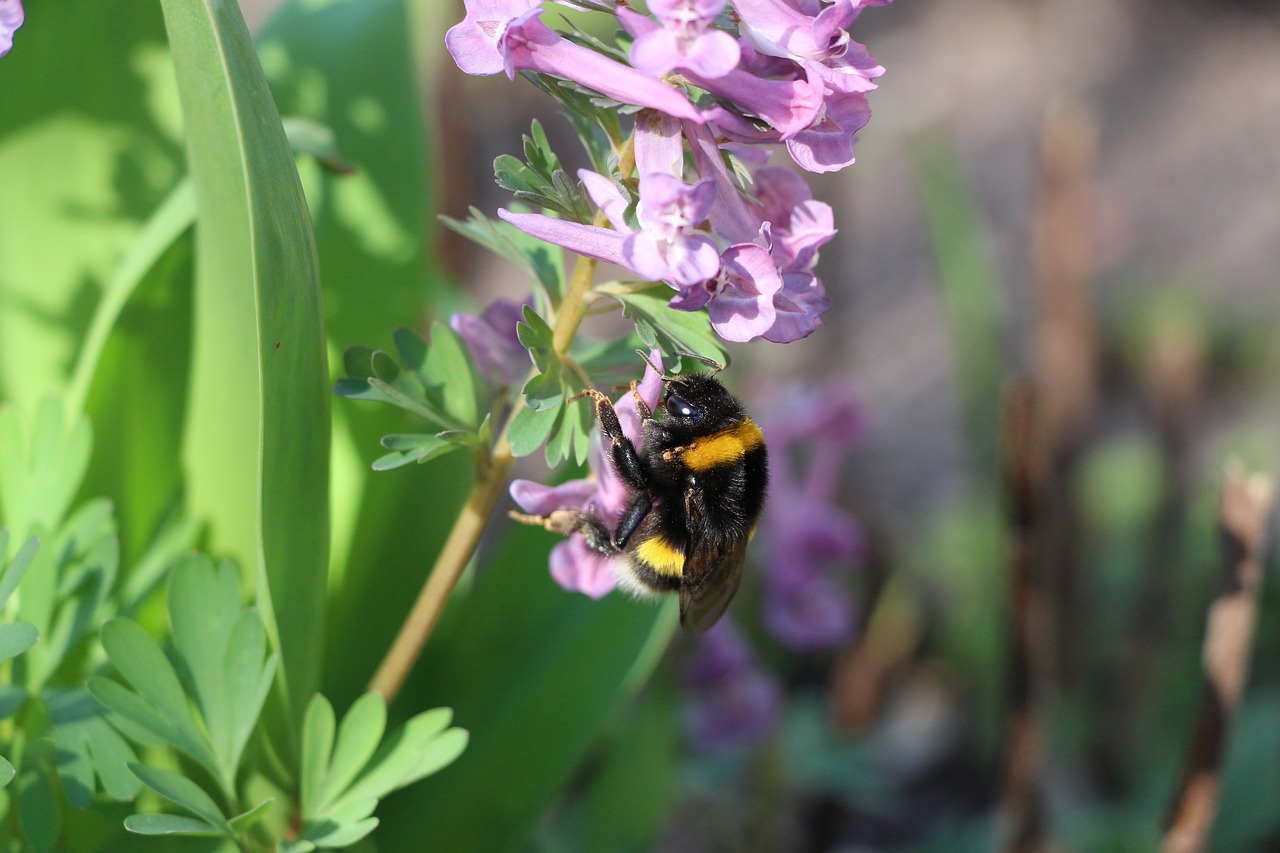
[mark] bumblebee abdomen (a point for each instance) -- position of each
(661, 556)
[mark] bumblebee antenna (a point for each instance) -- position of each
(645, 356)
(715, 366)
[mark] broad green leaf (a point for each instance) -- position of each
(16, 638)
(359, 734)
(635, 786)
(169, 824)
(182, 791)
(88, 149)
(257, 441)
(534, 710)
(318, 728)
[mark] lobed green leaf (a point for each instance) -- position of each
(169, 824)
(183, 792)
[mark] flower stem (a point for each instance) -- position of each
(491, 480)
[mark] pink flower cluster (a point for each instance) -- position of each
(787, 73)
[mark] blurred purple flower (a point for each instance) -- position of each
(491, 339)
(573, 565)
(507, 35)
(729, 701)
(810, 541)
(11, 17)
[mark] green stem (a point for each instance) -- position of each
(174, 216)
(491, 482)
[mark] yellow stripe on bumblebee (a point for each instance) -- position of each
(659, 554)
(723, 448)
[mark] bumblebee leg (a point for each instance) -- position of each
(646, 413)
(631, 518)
(569, 521)
(622, 453)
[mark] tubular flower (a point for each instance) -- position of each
(573, 565)
(11, 17)
(507, 35)
(743, 247)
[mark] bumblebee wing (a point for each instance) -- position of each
(712, 571)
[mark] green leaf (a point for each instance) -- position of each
(538, 338)
(448, 376)
(542, 263)
(38, 811)
(6, 772)
(88, 746)
(257, 440)
(530, 428)
(160, 705)
(247, 820)
(338, 835)
(88, 145)
(546, 391)
(317, 140)
(317, 744)
(17, 567)
(203, 607)
(416, 447)
(41, 469)
(420, 747)
(169, 824)
(358, 737)
(173, 218)
(534, 710)
(16, 638)
(181, 791)
(670, 330)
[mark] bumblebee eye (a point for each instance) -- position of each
(678, 407)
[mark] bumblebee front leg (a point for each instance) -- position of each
(622, 453)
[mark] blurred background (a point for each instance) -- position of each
(975, 614)
(1077, 200)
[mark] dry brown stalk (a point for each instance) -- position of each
(1228, 637)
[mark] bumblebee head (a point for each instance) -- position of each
(700, 405)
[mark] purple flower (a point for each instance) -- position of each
(787, 29)
(785, 95)
(685, 39)
(498, 35)
(573, 565)
(664, 249)
(797, 308)
(741, 301)
(729, 701)
(11, 17)
(491, 339)
(810, 541)
(827, 144)
(799, 224)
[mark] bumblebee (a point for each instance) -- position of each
(696, 495)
